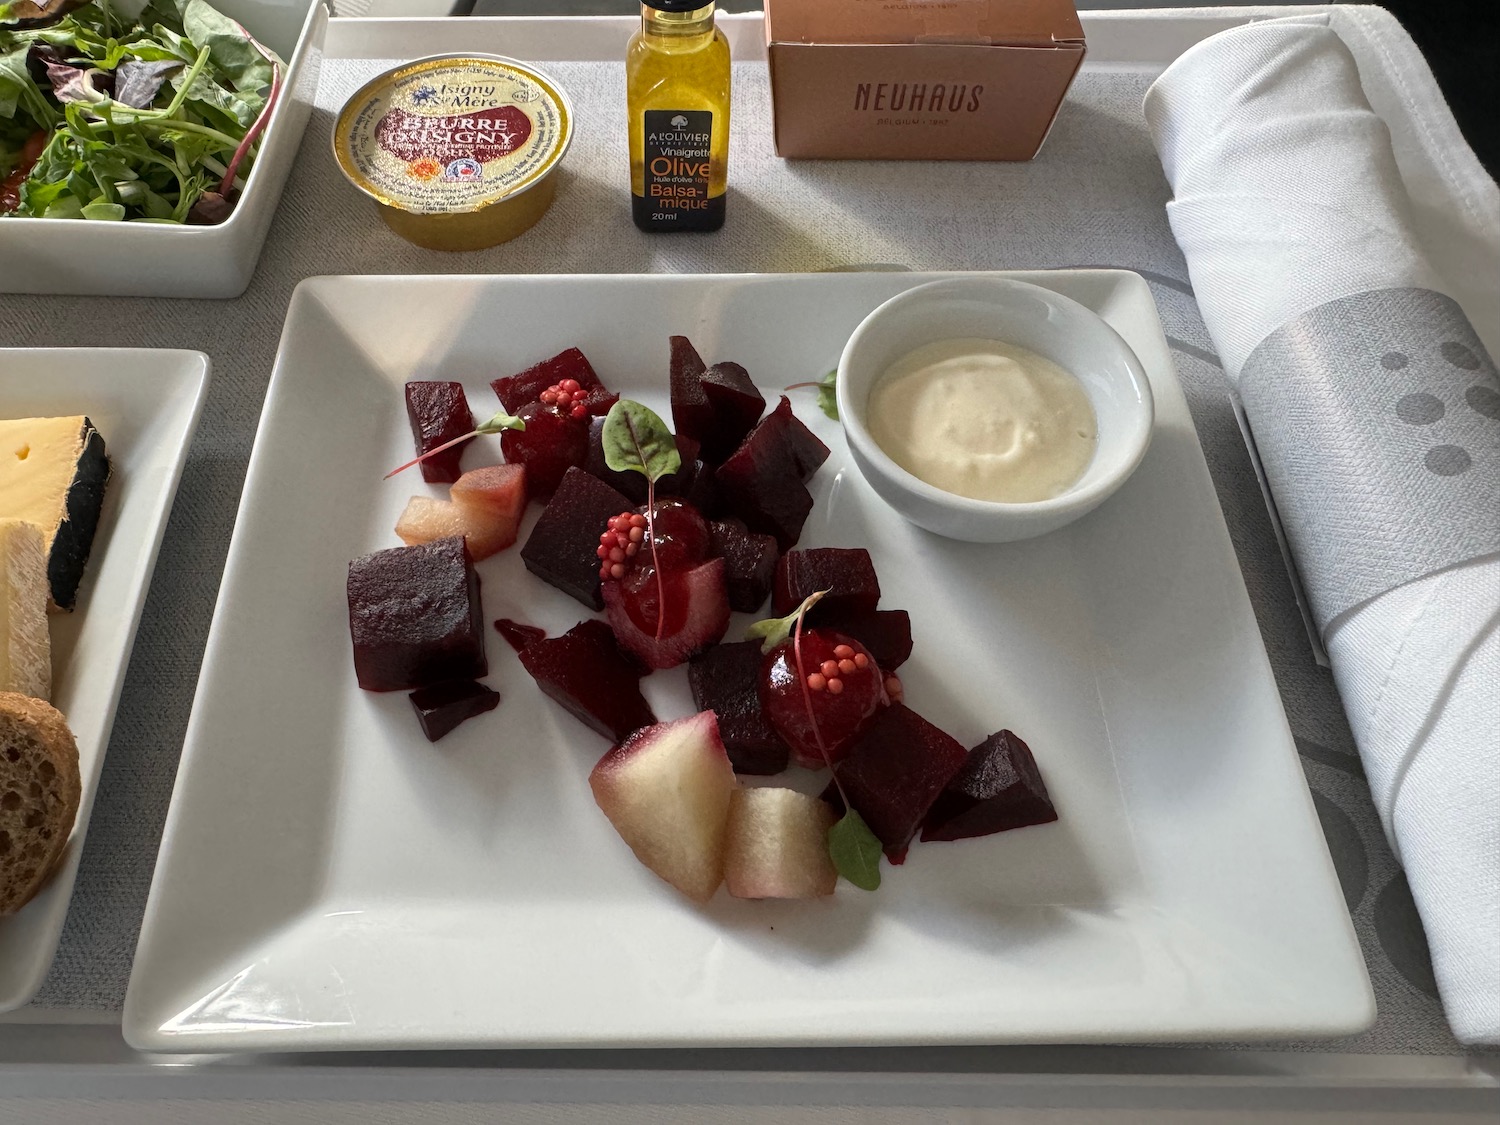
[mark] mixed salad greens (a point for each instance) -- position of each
(151, 116)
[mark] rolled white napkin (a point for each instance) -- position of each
(1295, 224)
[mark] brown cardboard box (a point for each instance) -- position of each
(919, 79)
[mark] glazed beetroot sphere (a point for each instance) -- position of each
(839, 687)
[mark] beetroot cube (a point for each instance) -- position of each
(749, 563)
(441, 707)
(515, 391)
(847, 575)
(600, 400)
(736, 404)
(895, 769)
(439, 413)
(691, 413)
(717, 405)
(761, 484)
(414, 616)
(632, 484)
(723, 679)
(998, 788)
(806, 451)
(586, 673)
(885, 632)
(564, 544)
(518, 634)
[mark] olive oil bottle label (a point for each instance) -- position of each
(678, 144)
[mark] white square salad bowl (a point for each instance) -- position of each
(87, 258)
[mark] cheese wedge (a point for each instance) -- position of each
(52, 473)
(25, 644)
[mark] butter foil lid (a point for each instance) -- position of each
(452, 134)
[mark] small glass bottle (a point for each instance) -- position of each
(677, 91)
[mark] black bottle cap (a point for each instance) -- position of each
(677, 5)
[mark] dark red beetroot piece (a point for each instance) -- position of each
(762, 482)
(515, 391)
(885, 632)
(552, 442)
(441, 707)
(585, 672)
(691, 413)
(517, 634)
(749, 563)
(696, 616)
(894, 772)
(563, 546)
(439, 413)
(716, 405)
(997, 789)
(763, 488)
(807, 452)
(725, 679)
(847, 575)
(737, 405)
(843, 683)
(598, 400)
(414, 616)
(633, 484)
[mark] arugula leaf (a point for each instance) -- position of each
(855, 851)
(635, 439)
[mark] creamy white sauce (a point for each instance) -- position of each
(984, 419)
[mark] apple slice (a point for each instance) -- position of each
(666, 789)
(485, 508)
(777, 845)
(491, 501)
(426, 519)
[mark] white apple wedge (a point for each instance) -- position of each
(777, 845)
(666, 789)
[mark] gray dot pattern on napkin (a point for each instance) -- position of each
(1375, 418)
(1420, 409)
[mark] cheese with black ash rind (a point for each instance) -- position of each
(53, 473)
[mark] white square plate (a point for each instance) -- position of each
(146, 405)
(330, 880)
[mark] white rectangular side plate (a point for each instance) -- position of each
(329, 880)
(146, 405)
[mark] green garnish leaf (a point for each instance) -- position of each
(493, 425)
(635, 439)
(855, 851)
(771, 631)
(498, 422)
(828, 401)
(826, 387)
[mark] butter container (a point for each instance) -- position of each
(458, 151)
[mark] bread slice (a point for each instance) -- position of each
(25, 643)
(39, 794)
